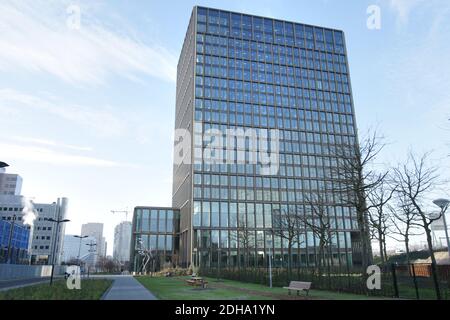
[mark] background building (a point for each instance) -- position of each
(14, 242)
(122, 242)
(44, 234)
(10, 184)
(95, 230)
(242, 71)
(155, 230)
(104, 247)
(72, 247)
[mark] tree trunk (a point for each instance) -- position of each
(408, 258)
(433, 263)
(362, 222)
(290, 261)
(380, 243)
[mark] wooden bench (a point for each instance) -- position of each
(299, 286)
(197, 283)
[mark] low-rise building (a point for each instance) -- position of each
(14, 242)
(154, 238)
(44, 235)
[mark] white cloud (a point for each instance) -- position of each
(99, 119)
(35, 38)
(51, 143)
(48, 156)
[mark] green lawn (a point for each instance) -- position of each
(91, 289)
(175, 288)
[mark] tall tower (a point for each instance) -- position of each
(287, 83)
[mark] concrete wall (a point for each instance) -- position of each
(17, 271)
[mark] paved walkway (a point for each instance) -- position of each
(127, 288)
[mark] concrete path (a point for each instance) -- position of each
(127, 288)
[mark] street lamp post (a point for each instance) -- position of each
(90, 250)
(57, 221)
(444, 205)
(79, 248)
(269, 243)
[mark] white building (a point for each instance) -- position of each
(95, 230)
(86, 248)
(104, 247)
(10, 184)
(44, 234)
(122, 238)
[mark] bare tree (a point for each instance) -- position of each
(287, 225)
(355, 179)
(416, 180)
(318, 221)
(245, 238)
(379, 220)
(404, 221)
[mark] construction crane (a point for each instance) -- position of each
(121, 211)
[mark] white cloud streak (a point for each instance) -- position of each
(51, 143)
(48, 156)
(35, 38)
(99, 119)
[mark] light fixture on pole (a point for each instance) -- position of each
(3, 165)
(444, 205)
(91, 244)
(79, 247)
(55, 243)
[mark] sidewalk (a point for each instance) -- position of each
(127, 288)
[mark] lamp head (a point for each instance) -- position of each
(442, 203)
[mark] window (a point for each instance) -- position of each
(154, 221)
(145, 220)
(162, 221)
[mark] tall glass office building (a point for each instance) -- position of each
(243, 71)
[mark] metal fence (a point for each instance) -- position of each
(20, 271)
(397, 281)
(415, 281)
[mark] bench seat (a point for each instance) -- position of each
(298, 286)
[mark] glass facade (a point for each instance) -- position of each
(18, 240)
(253, 72)
(155, 230)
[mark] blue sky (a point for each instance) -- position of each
(88, 113)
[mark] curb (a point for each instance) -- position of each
(107, 291)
